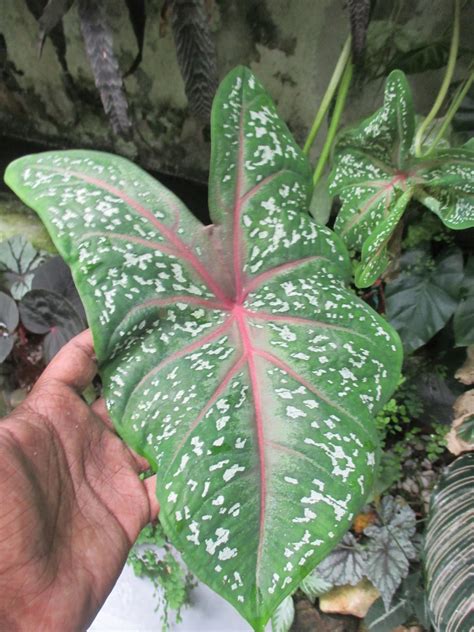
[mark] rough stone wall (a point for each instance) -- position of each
(291, 45)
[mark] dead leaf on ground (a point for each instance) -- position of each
(355, 600)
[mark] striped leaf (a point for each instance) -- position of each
(374, 169)
(449, 548)
(232, 356)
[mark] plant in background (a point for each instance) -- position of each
(153, 558)
(194, 47)
(255, 307)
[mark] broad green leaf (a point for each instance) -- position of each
(314, 585)
(421, 300)
(233, 356)
(463, 321)
(346, 564)
(282, 618)
(374, 166)
(18, 261)
(382, 619)
(449, 550)
(375, 256)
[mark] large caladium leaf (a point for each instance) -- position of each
(376, 175)
(233, 357)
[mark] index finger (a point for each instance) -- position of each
(75, 365)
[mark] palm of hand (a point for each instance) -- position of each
(72, 503)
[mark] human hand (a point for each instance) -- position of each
(71, 501)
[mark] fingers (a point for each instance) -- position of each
(150, 486)
(75, 364)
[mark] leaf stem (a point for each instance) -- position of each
(458, 99)
(335, 119)
(448, 75)
(328, 95)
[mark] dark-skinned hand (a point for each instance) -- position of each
(71, 501)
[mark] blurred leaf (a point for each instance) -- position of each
(56, 276)
(45, 312)
(196, 52)
(463, 120)
(465, 430)
(388, 473)
(464, 315)
(18, 260)
(428, 56)
(314, 585)
(380, 619)
(346, 564)
(449, 554)
(8, 323)
(283, 616)
(99, 47)
(137, 15)
(424, 296)
(53, 13)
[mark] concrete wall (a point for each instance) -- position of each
(291, 45)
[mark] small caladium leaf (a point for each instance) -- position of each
(424, 296)
(346, 564)
(375, 256)
(374, 169)
(233, 356)
(282, 618)
(18, 261)
(8, 323)
(46, 312)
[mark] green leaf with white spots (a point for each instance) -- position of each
(233, 356)
(375, 257)
(449, 550)
(374, 169)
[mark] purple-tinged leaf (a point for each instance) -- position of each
(233, 356)
(8, 323)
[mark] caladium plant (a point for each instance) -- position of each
(233, 356)
(376, 174)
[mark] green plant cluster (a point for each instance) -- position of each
(152, 558)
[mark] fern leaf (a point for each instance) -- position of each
(98, 42)
(196, 53)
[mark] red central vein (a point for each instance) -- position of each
(238, 203)
(181, 248)
(249, 354)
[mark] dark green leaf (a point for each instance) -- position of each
(18, 261)
(424, 296)
(430, 56)
(53, 13)
(464, 315)
(233, 357)
(466, 430)
(56, 276)
(345, 565)
(8, 323)
(137, 14)
(381, 619)
(449, 551)
(45, 312)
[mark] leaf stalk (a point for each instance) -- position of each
(328, 95)
(448, 75)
